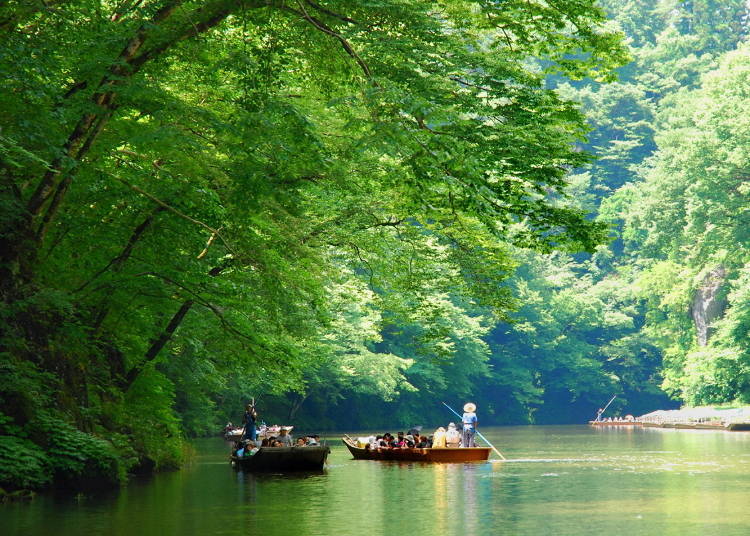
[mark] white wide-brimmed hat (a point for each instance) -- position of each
(469, 407)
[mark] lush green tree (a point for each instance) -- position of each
(190, 186)
(685, 219)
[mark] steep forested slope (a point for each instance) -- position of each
(204, 200)
(656, 315)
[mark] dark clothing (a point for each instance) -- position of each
(250, 431)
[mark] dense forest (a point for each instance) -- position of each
(352, 211)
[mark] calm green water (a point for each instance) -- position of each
(559, 480)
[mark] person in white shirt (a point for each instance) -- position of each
(469, 420)
(452, 436)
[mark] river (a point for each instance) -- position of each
(558, 480)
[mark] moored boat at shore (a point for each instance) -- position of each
(283, 459)
(438, 455)
(700, 418)
(739, 426)
(233, 433)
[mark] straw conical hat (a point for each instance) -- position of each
(469, 407)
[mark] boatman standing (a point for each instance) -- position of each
(469, 420)
(249, 420)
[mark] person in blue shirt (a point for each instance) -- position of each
(249, 421)
(469, 420)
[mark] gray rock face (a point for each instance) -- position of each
(708, 304)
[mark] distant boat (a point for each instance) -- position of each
(234, 433)
(615, 423)
(283, 459)
(439, 455)
(739, 426)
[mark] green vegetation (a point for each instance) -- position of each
(354, 210)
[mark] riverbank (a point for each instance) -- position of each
(732, 418)
(728, 417)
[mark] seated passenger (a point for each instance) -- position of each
(265, 443)
(301, 442)
(284, 438)
(313, 440)
(452, 436)
(438, 438)
(424, 443)
(250, 449)
(277, 443)
(409, 441)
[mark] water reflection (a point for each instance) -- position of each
(640, 482)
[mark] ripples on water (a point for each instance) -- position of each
(557, 481)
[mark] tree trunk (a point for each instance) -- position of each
(159, 343)
(115, 265)
(299, 399)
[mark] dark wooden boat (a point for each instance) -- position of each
(283, 459)
(739, 426)
(441, 455)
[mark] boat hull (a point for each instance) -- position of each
(739, 426)
(284, 459)
(441, 455)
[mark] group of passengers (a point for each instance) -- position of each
(626, 418)
(411, 440)
(248, 447)
(441, 438)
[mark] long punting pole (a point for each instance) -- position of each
(599, 415)
(478, 432)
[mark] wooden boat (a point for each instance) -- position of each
(283, 459)
(688, 425)
(615, 423)
(698, 426)
(441, 455)
(709, 426)
(234, 433)
(739, 426)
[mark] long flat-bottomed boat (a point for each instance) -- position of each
(615, 423)
(438, 455)
(739, 426)
(283, 459)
